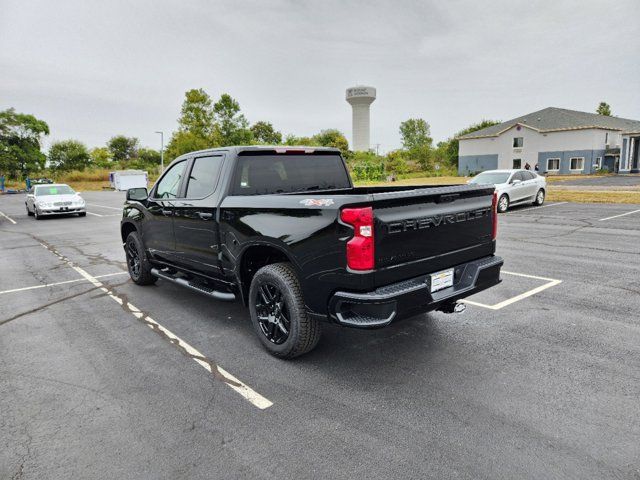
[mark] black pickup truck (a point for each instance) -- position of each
(285, 231)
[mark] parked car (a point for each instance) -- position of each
(514, 187)
(285, 231)
(54, 199)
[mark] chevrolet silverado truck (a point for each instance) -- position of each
(284, 231)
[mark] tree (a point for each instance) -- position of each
(184, 142)
(604, 109)
(232, 125)
(100, 157)
(149, 156)
(69, 155)
(332, 138)
(196, 114)
(20, 136)
(123, 148)
(415, 133)
(263, 132)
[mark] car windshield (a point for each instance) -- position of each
(491, 178)
(54, 190)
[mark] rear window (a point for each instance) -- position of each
(285, 173)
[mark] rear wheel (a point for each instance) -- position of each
(278, 312)
(137, 263)
(539, 197)
(503, 203)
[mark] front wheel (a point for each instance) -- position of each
(278, 312)
(503, 203)
(137, 263)
(36, 215)
(82, 214)
(539, 198)
(29, 212)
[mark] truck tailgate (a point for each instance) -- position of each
(429, 229)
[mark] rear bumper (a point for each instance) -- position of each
(410, 297)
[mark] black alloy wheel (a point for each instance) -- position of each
(133, 258)
(273, 314)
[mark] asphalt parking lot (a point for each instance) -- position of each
(539, 378)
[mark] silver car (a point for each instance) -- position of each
(514, 186)
(54, 199)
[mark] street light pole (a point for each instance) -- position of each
(161, 151)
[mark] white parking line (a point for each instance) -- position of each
(8, 218)
(551, 204)
(516, 212)
(95, 214)
(232, 382)
(551, 282)
(105, 206)
(621, 215)
(34, 287)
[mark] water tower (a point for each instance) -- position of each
(360, 97)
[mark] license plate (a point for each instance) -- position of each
(441, 280)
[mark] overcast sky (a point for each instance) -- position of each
(94, 69)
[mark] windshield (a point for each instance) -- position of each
(54, 190)
(267, 174)
(491, 178)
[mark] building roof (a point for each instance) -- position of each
(554, 119)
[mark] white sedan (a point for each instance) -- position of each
(54, 199)
(514, 186)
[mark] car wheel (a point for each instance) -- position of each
(278, 312)
(36, 215)
(539, 197)
(82, 214)
(29, 212)
(503, 203)
(137, 262)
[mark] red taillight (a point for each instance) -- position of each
(494, 208)
(360, 249)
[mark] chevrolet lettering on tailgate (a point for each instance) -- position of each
(437, 220)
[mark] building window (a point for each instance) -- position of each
(517, 163)
(576, 163)
(553, 164)
(518, 142)
(606, 138)
(598, 163)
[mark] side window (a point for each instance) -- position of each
(170, 184)
(517, 176)
(204, 176)
(528, 175)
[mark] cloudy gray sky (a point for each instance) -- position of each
(93, 69)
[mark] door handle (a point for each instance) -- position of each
(205, 216)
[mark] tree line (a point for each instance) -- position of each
(203, 124)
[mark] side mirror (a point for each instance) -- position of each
(137, 194)
(515, 181)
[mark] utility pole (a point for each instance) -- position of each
(377, 149)
(161, 151)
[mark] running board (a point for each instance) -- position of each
(226, 296)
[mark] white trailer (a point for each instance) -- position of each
(126, 179)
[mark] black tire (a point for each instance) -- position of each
(36, 215)
(503, 203)
(29, 212)
(539, 197)
(286, 305)
(137, 262)
(82, 214)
